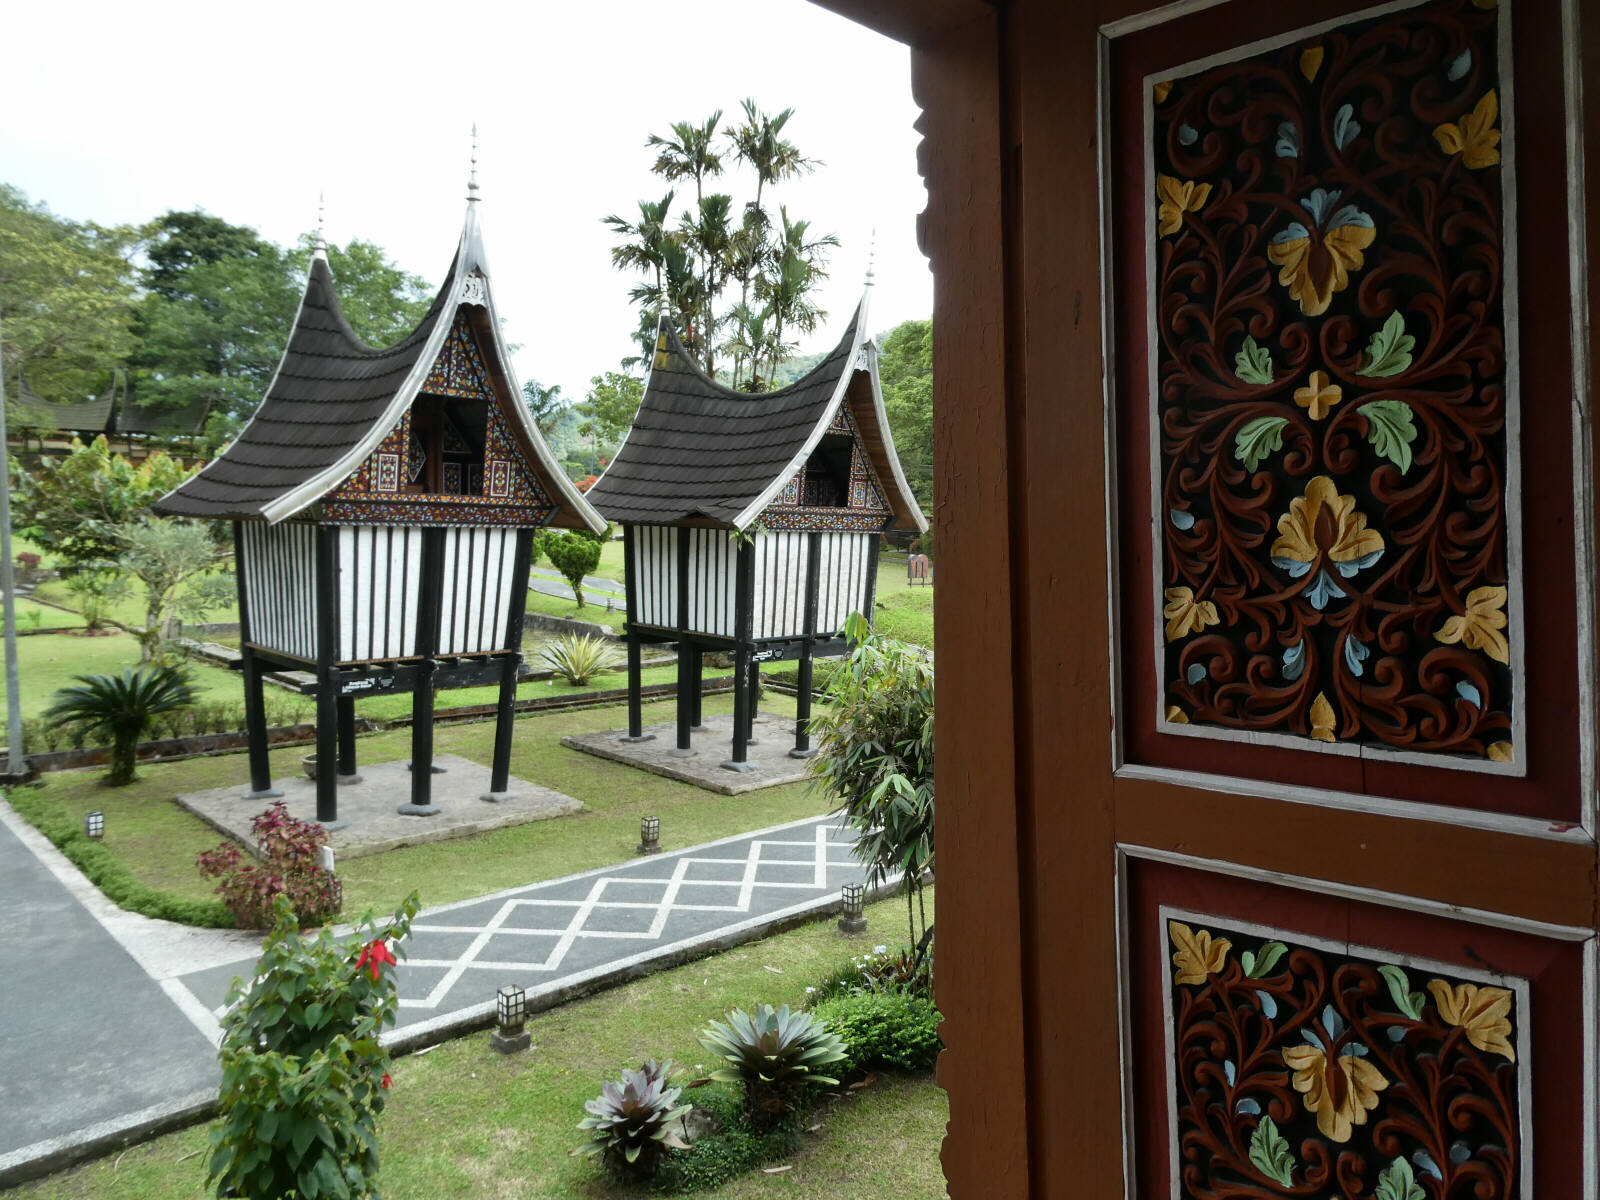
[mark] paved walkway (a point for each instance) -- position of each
(550, 583)
(109, 1020)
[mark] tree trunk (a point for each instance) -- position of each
(124, 754)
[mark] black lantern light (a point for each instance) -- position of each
(850, 900)
(511, 1011)
(649, 835)
(94, 824)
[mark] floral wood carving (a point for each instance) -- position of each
(1332, 391)
(1303, 1071)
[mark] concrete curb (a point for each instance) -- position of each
(93, 1141)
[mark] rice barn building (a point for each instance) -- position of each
(751, 522)
(383, 503)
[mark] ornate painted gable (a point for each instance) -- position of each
(798, 508)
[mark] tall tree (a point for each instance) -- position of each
(546, 405)
(381, 301)
(905, 369)
(608, 410)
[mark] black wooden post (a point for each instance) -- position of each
(697, 692)
(802, 703)
(500, 769)
(347, 740)
(255, 709)
(752, 682)
(685, 706)
(327, 580)
(630, 584)
(743, 620)
(428, 608)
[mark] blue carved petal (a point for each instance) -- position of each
(1288, 140)
(1425, 1163)
(1345, 126)
(1230, 1071)
(1195, 673)
(1269, 1006)
(1319, 202)
(1294, 232)
(1248, 1107)
(1323, 590)
(1349, 569)
(1470, 694)
(1460, 1152)
(1355, 655)
(1296, 568)
(1396, 1032)
(1332, 1022)
(1314, 1040)
(1354, 1050)
(1294, 661)
(1459, 66)
(1182, 519)
(1187, 134)
(1350, 215)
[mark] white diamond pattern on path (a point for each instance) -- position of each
(762, 852)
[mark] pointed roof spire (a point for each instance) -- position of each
(472, 177)
(872, 254)
(319, 247)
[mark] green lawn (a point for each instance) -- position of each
(129, 610)
(49, 617)
(468, 1123)
(902, 611)
(158, 841)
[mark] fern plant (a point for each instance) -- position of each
(123, 707)
(578, 657)
(775, 1055)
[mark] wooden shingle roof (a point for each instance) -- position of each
(32, 411)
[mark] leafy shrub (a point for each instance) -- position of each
(634, 1120)
(289, 848)
(122, 707)
(574, 555)
(884, 1029)
(774, 1055)
(100, 865)
(904, 971)
(303, 1071)
(732, 1148)
(578, 657)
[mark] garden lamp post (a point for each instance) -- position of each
(511, 1010)
(850, 918)
(94, 824)
(649, 835)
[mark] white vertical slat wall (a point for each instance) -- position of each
(379, 574)
(479, 565)
(655, 572)
(844, 566)
(280, 587)
(713, 574)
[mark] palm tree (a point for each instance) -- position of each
(712, 238)
(688, 153)
(650, 236)
(751, 341)
(124, 707)
(797, 267)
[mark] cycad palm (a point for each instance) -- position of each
(123, 707)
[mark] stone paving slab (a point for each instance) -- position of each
(367, 809)
(553, 938)
(769, 758)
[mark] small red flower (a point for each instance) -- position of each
(387, 1082)
(374, 956)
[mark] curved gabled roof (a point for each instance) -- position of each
(700, 452)
(334, 398)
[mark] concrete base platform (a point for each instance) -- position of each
(769, 762)
(368, 822)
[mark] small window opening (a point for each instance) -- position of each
(448, 435)
(827, 479)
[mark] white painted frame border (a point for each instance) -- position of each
(1585, 830)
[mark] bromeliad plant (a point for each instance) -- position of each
(304, 1075)
(578, 657)
(633, 1121)
(776, 1055)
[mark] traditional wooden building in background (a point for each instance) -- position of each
(383, 503)
(752, 522)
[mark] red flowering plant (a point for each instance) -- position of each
(304, 1074)
(290, 865)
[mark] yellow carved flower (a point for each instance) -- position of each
(1319, 395)
(1474, 137)
(1479, 628)
(1483, 1013)
(1177, 196)
(1176, 716)
(1185, 614)
(1199, 954)
(1348, 539)
(1162, 90)
(1315, 263)
(1497, 752)
(1323, 719)
(1342, 1095)
(1311, 62)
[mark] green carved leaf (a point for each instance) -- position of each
(1398, 1183)
(1389, 351)
(1258, 438)
(1270, 1152)
(1391, 430)
(1264, 959)
(1405, 999)
(1253, 364)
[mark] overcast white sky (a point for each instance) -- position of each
(118, 112)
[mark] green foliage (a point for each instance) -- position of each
(170, 558)
(633, 1121)
(381, 301)
(1253, 363)
(1391, 429)
(1270, 1152)
(1399, 1183)
(287, 863)
(303, 1071)
(884, 1029)
(574, 556)
(123, 707)
(905, 369)
(78, 506)
(608, 410)
(546, 405)
(776, 1055)
(1257, 438)
(1389, 350)
(1258, 963)
(732, 1149)
(1400, 992)
(906, 971)
(102, 868)
(95, 591)
(578, 657)
(875, 755)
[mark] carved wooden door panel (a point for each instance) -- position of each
(1353, 775)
